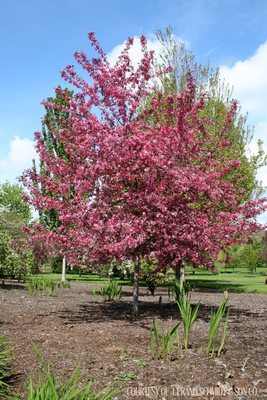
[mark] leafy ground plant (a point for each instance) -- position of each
(187, 315)
(109, 292)
(126, 377)
(51, 390)
(141, 363)
(215, 320)
(167, 340)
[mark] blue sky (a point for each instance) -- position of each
(39, 37)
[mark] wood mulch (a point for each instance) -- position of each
(109, 343)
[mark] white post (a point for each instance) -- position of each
(64, 269)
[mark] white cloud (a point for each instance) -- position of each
(249, 79)
(19, 158)
(262, 173)
(252, 149)
(261, 127)
(135, 50)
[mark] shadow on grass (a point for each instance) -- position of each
(230, 287)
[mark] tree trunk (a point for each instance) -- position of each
(182, 275)
(177, 273)
(63, 279)
(80, 272)
(136, 286)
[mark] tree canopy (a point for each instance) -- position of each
(131, 189)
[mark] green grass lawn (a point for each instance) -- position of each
(75, 278)
(240, 275)
(240, 280)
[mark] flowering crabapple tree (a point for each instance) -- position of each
(131, 189)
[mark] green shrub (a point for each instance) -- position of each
(151, 275)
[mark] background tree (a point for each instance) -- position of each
(219, 264)
(54, 121)
(18, 256)
(174, 54)
(236, 255)
(251, 256)
(12, 196)
(263, 254)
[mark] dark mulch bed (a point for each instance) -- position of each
(71, 328)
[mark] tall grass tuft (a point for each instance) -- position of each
(167, 340)
(34, 286)
(4, 366)
(187, 315)
(176, 290)
(215, 320)
(49, 389)
(108, 292)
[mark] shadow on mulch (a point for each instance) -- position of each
(13, 379)
(122, 311)
(9, 286)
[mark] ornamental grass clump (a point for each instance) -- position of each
(108, 292)
(33, 286)
(167, 340)
(30, 287)
(4, 366)
(50, 389)
(215, 320)
(45, 284)
(51, 287)
(187, 315)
